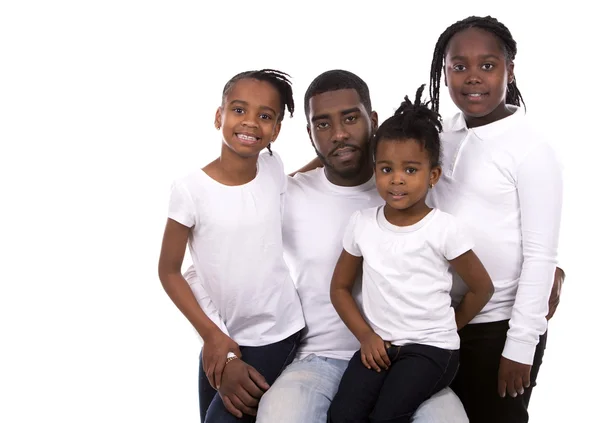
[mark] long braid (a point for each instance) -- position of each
(487, 23)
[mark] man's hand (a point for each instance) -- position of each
(559, 278)
(214, 355)
(513, 377)
(241, 388)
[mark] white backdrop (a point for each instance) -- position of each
(104, 103)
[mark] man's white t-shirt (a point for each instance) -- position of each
(236, 247)
(315, 217)
(406, 275)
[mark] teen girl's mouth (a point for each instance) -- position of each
(475, 97)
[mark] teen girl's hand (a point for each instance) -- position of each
(214, 356)
(373, 352)
(513, 377)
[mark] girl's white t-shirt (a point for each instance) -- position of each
(406, 275)
(236, 247)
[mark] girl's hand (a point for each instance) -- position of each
(214, 355)
(373, 352)
(513, 377)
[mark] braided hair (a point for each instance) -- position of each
(415, 121)
(279, 80)
(489, 24)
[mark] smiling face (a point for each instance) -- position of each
(403, 174)
(249, 118)
(340, 129)
(477, 74)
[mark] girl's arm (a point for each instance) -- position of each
(471, 270)
(540, 189)
(216, 343)
(373, 349)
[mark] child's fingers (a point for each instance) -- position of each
(258, 379)
(219, 367)
(231, 408)
(384, 358)
(527, 380)
(373, 363)
(519, 385)
(210, 374)
(365, 363)
(379, 359)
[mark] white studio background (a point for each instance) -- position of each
(104, 103)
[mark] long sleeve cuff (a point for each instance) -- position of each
(519, 351)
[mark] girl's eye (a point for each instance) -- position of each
(459, 68)
(238, 110)
(487, 66)
(411, 170)
(386, 169)
(265, 116)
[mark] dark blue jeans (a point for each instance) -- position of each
(268, 360)
(476, 384)
(417, 372)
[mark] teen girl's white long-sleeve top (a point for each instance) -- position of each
(504, 181)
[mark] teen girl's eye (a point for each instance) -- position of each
(459, 68)
(487, 66)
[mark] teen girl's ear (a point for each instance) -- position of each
(511, 72)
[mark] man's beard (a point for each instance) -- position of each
(348, 172)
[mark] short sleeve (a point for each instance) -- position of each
(458, 239)
(276, 169)
(349, 242)
(181, 205)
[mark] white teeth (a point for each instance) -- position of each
(474, 95)
(247, 138)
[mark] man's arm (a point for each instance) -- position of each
(313, 164)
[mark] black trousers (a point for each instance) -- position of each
(476, 382)
(269, 360)
(392, 396)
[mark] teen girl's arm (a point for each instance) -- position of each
(216, 343)
(471, 270)
(373, 349)
(539, 188)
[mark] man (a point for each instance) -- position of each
(318, 205)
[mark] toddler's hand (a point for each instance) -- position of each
(373, 352)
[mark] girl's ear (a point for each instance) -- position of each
(511, 72)
(276, 132)
(218, 116)
(434, 176)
